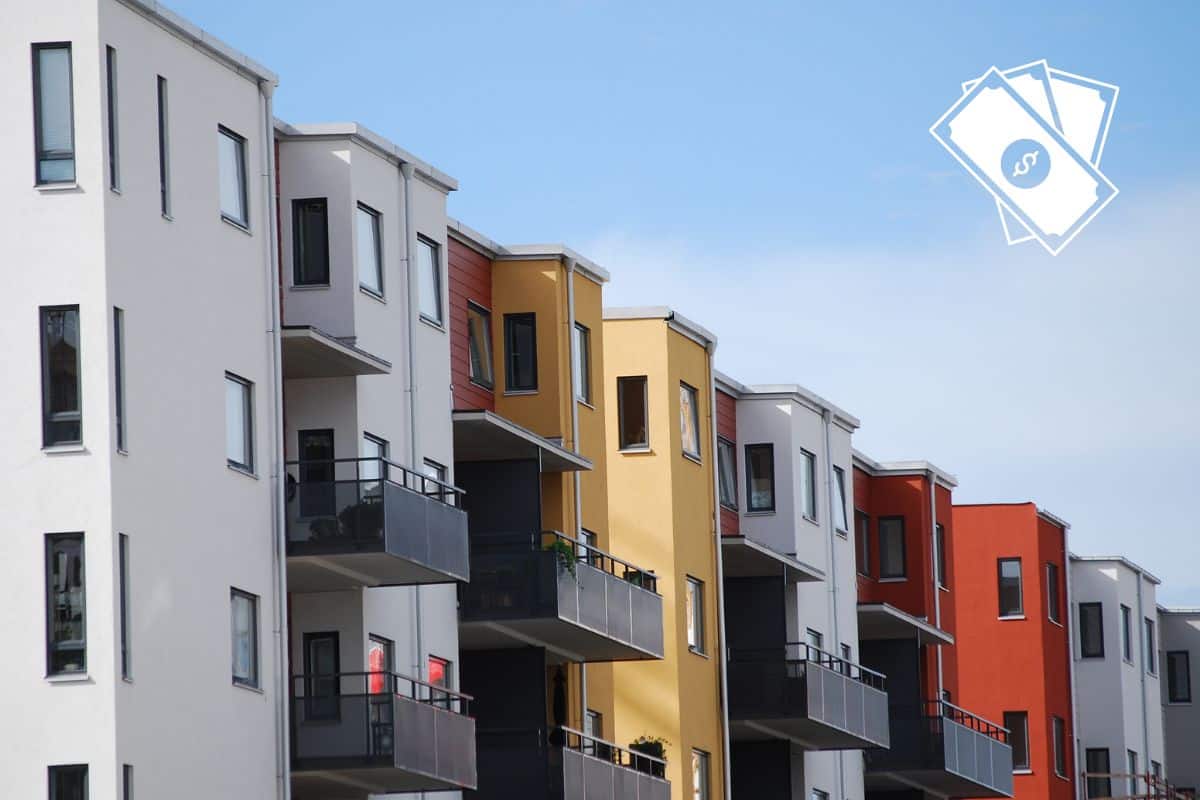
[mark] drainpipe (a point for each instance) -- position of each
(569, 271)
(278, 499)
(831, 494)
(1071, 660)
(937, 590)
(1147, 649)
(722, 666)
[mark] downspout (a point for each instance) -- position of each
(722, 666)
(1071, 661)
(278, 499)
(569, 271)
(410, 247)
(937, 587)
(1147, 650)
(831, 494)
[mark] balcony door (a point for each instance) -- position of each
(381, 661)
(321, 684)
(318, 496)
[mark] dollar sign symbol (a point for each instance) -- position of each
(1023, 166)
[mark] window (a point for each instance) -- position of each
(1011, 602)
(310, 242)
(818, 794)
(1156, 773)
(1097, 763)
(119, 374)
(244, 624)
(479, 345)
(520, 352)
(231, 156)
(440, 676)
(632, 413)
(862, 543)
(695, 615)
(1131, 764)
(586, 547)
(1058, 731)
(815, 641)
(53, 113)
(593, 726)
(239, 423)
(689, 421)
(69, 782)
(439, 473)
(373, 468)
(1017, 723)
(1179, 676)
(583, 364)
(123, 585)
(1149, 646)
(760, 477)
(1091, 630)
(840, 521)
(164, 154)
(939, 541)
(808, 484)
(1127, 633)
(429, 277)
(381, 663)
(114, 163)
(891, 548)
(62, 417)
(127, 782)
(370, 257)
(66, 617)
(727, 473)
(1053, 598)
(700, 775)
(322, 686)
(317, 490)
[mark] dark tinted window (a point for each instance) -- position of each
(1017, 723)
(891, 547)
(310, 242)
(1096, 763)
(62, 415)
(1009, 578)
(1091, 630)
(631, 412)
(66, 623)
(69, 782)
(520, 352)
(1179, 677)
(760, 477)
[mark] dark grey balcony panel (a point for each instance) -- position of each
(588, 778)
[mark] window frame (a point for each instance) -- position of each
(164, 149)
(839, 485)
(724, 446)
(52, 646)
(40, 155)
(425, 244)
(862, 543)
(622, 445)
(247, 428)
(581, 367)
(1083, 651)
(54, 770)
(686, 389)
(122, 421)
(1150, 645)
(125, 607)
(1126, 634)
(1053, 593)
(127, 782)
(301, 207)
(114, 152)
(1174, 696)
(486, 354)
(1002, 613)
(49, 417)
(1058, 745)
(376, 222)
(694, 609)
(511, 323)
(808, 474)
(701, 775)
(941, 565)
(1104, 785)
(751, 506)
(241, 175)
(1009, 720)
(903, 534)
(255, 679)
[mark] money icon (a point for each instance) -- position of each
(1025, 163)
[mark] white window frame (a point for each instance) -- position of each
(365, 215)
(247, 433)
(239, 176)
(429, 279)
(694, 607)
(252, 680)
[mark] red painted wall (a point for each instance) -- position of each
(470, 280)
(727, 428)
(1014, 665)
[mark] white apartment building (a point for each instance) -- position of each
(1179, 641)
(1115, 641)
(801, 707)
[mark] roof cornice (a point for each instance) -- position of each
(885, 468)
(489, 247)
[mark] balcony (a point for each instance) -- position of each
(369, 522)
(806, 695)
(309, 352)
(564, 764)
(944, 750)
(546, 590)
(361, 733)
(746, 557)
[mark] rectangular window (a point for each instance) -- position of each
(119, 374)
(1017, 723)
(53, 113)
(114, 162)
(239, 422)
(310, 242)
(862, 543)
(66, 614)
(317, 492)
(520, 352)
(123, 578)
(164, 151)
(441, 674)
(689, 420)
(808, 484)
(1149, 647)
(62, 409)
(370, 250)
(1127, 633)
(1058, 735)
(892, 548)
(633, 417)
(1091, 630)
(582, 365)
(760, 477)
(381, 663)
(695, 615)
(1131, 764)
(1012, 603)
(69, 782)
(322, 686)
(815, 641)
(700, 775)
(727, 473)
(373, 468)
(127, 782)
(479, 345)
(593, 726)
(1053, 597)
(1179, 676)
(231, 157)
(244, 625)
(1097, 764)
(939, 541)
(841, 522)
(429, 276)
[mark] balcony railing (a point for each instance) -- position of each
(1131, 786)
(390, 731)
(571, 597)
(380, 522)
(799, 691)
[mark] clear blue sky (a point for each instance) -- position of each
(766, 168)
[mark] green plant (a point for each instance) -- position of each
(566, 555)
(654, 746)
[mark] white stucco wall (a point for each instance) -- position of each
(1180, 630)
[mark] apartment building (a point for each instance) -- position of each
(1179, 641)
(554, 596)
(801, 707)
(1116, 649)
(940, 743)
(658, 387)
(1012, 650)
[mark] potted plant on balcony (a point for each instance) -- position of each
(363, 521)
(566, 555)
(654, 746)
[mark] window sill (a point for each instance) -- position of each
(1011, 617)
(73, 677)
(308, 287)
(945, 589)
(1022, 772)
(57, 187)
(585, 403)
(842, 533)
(1056, 623)
(519, 392)
(696, 652)
(487, 387)
(167, 217)
(433, 323)
(900, 579)
(1179, 702)
(767, 512)
(115, 190)
(729, 508)
(693, 458)
(1062, 777)
(248, 687)
(241, 470)
(807, 518)
(126, 679)
(238, 225)
(371, 293)
(64, 449)
(629, 451)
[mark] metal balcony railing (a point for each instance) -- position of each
(936, 710)
(798, 654)
(1131, 786)
(570, 552)
(614, 754)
